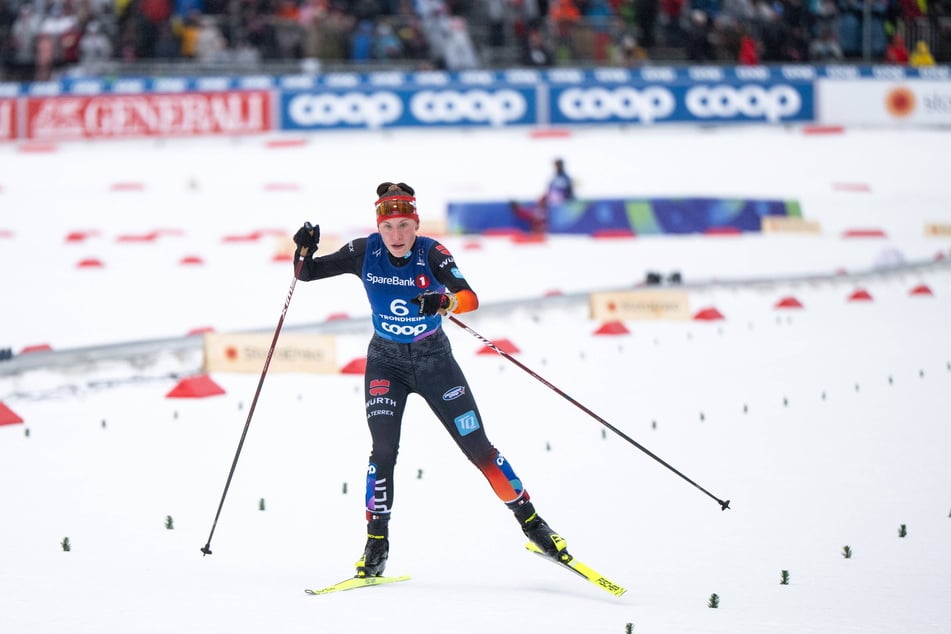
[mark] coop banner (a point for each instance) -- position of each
(683, 101)
(247, 353)
(639, 216)
(66, 117)
(444, 106)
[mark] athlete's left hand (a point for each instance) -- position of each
(431, 303)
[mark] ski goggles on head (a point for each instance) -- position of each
(396, 207)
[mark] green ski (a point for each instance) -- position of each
(568, 561)
(357, 582)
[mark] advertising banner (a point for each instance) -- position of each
(639, 304)
(295, 352)
(680, 101)
(8, 122)
(449, 106)
(145, 115)
(644, 216)
(885, 102)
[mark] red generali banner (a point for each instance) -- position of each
(138, 115)
(8, 122)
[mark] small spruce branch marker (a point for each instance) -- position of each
(169, 523)
(714, 601)
(66, 545)
(847, 552)
(784, 578)
(902, 531)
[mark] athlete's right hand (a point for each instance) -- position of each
(308, 237)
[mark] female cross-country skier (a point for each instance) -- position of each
(412, 281)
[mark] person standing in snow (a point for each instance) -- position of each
(560, 187)
(412, 281)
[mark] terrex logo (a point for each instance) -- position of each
(379, 387)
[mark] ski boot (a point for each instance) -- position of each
(538, 530)
(373, 561)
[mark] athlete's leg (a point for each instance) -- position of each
(441, 382)
(385, 399)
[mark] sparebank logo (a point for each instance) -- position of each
(470, 106)
(754, 102)
(625, 102)
(352, 108)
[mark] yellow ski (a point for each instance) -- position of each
(568, 561)
(357, 582)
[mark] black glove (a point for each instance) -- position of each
(307, 237)
(431, 303)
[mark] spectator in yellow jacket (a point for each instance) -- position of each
(921, 56)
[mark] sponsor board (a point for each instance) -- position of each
(701, 102)
(247, 353)
(8, 123)
(938, 229)
(144, 115)
(435, 107)
(790, 224)
(639, 305)
(884, 102)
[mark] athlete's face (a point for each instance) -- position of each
(398, 235)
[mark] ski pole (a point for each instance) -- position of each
(254, 401)
(724, 504)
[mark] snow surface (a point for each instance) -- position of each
(824, 426)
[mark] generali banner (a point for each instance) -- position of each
(8, 122)
(145, 115)
(247, 353)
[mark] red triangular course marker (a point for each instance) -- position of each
(8, 416)
(861, 295)
(921, 289)
(789, 302)
(195, 387)
(502, 344)
(612, 328)
(357, 366)
(708, 314)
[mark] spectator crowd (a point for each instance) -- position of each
(41, 39)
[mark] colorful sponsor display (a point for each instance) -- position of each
(638, 216)
(84, 108)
